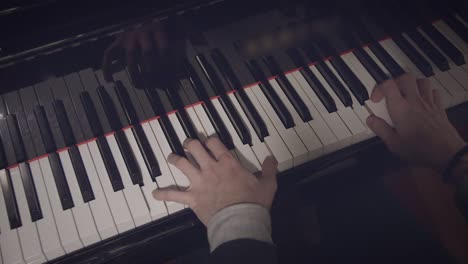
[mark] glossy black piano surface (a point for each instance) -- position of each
(290, 78)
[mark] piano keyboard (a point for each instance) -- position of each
(80, 156)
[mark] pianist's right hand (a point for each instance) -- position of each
(422, 134)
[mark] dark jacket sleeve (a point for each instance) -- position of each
(244, 251)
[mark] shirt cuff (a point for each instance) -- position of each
(239, 221)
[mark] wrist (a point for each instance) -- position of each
(239, 221)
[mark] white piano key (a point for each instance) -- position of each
(118, 205)
(64, 219)
(9, 239)
(101, 212)
(81, 212)
(273, 141)
(157, 208)
(46, 226)
(457, 92)
(327, 137)
(334, 121)
(28, 234)
(1, 258)
(379, 109)
(258, 147)
(133, 195)
(461, 20)
(400, 57)
(181, 180)
(352, 122)
(360, 111)
(178, 176)
(303, 130)
(157, 142)
(244, 153)
(289, 136)
(206, 123)
(196, 123)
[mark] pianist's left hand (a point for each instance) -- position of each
(219, 180)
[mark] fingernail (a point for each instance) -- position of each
(186, 142)
(172, 158)
(154, 193)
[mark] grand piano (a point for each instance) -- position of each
(83, 147)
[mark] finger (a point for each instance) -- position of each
(216, 147)
(109, 55)
(199, 153)
(183, 165)
(437, 99)
(389, 90)
(382, 130)
(269, 170)
(172, 193)
(408, 87)
(425, 90)
(146, 47)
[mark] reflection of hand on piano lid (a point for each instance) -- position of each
(149, 51)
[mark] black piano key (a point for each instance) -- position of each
(387, 60)
(226, 103)
(81, 174)
(7, 142)
(287, 88)
(270, 94)
(371, 66)
(10, 200)
(432, 53)
(129, 157)
(444, 44)
(64, 123)
(234, 84)
(171, 136)
(165, 123)
(45, 98)
(91, 114)
(314, 53)
(147, 152)
(30, 190)
(122, 140)
(423, 65)
(75, 88)
(90, 85)
(140, 136)
(61, 181)
(15, 108)
(109, 109)
(3, 158)
(182, 116)
(29, 102)
(355, 85)
(312, 80)
(75, 156)
(458, 27)
(44, 129)
(209, 108)
(60, 92)
(127, 106)
(109, 162)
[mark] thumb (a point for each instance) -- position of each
(171, 193)
(269, 170)
(382, 129)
